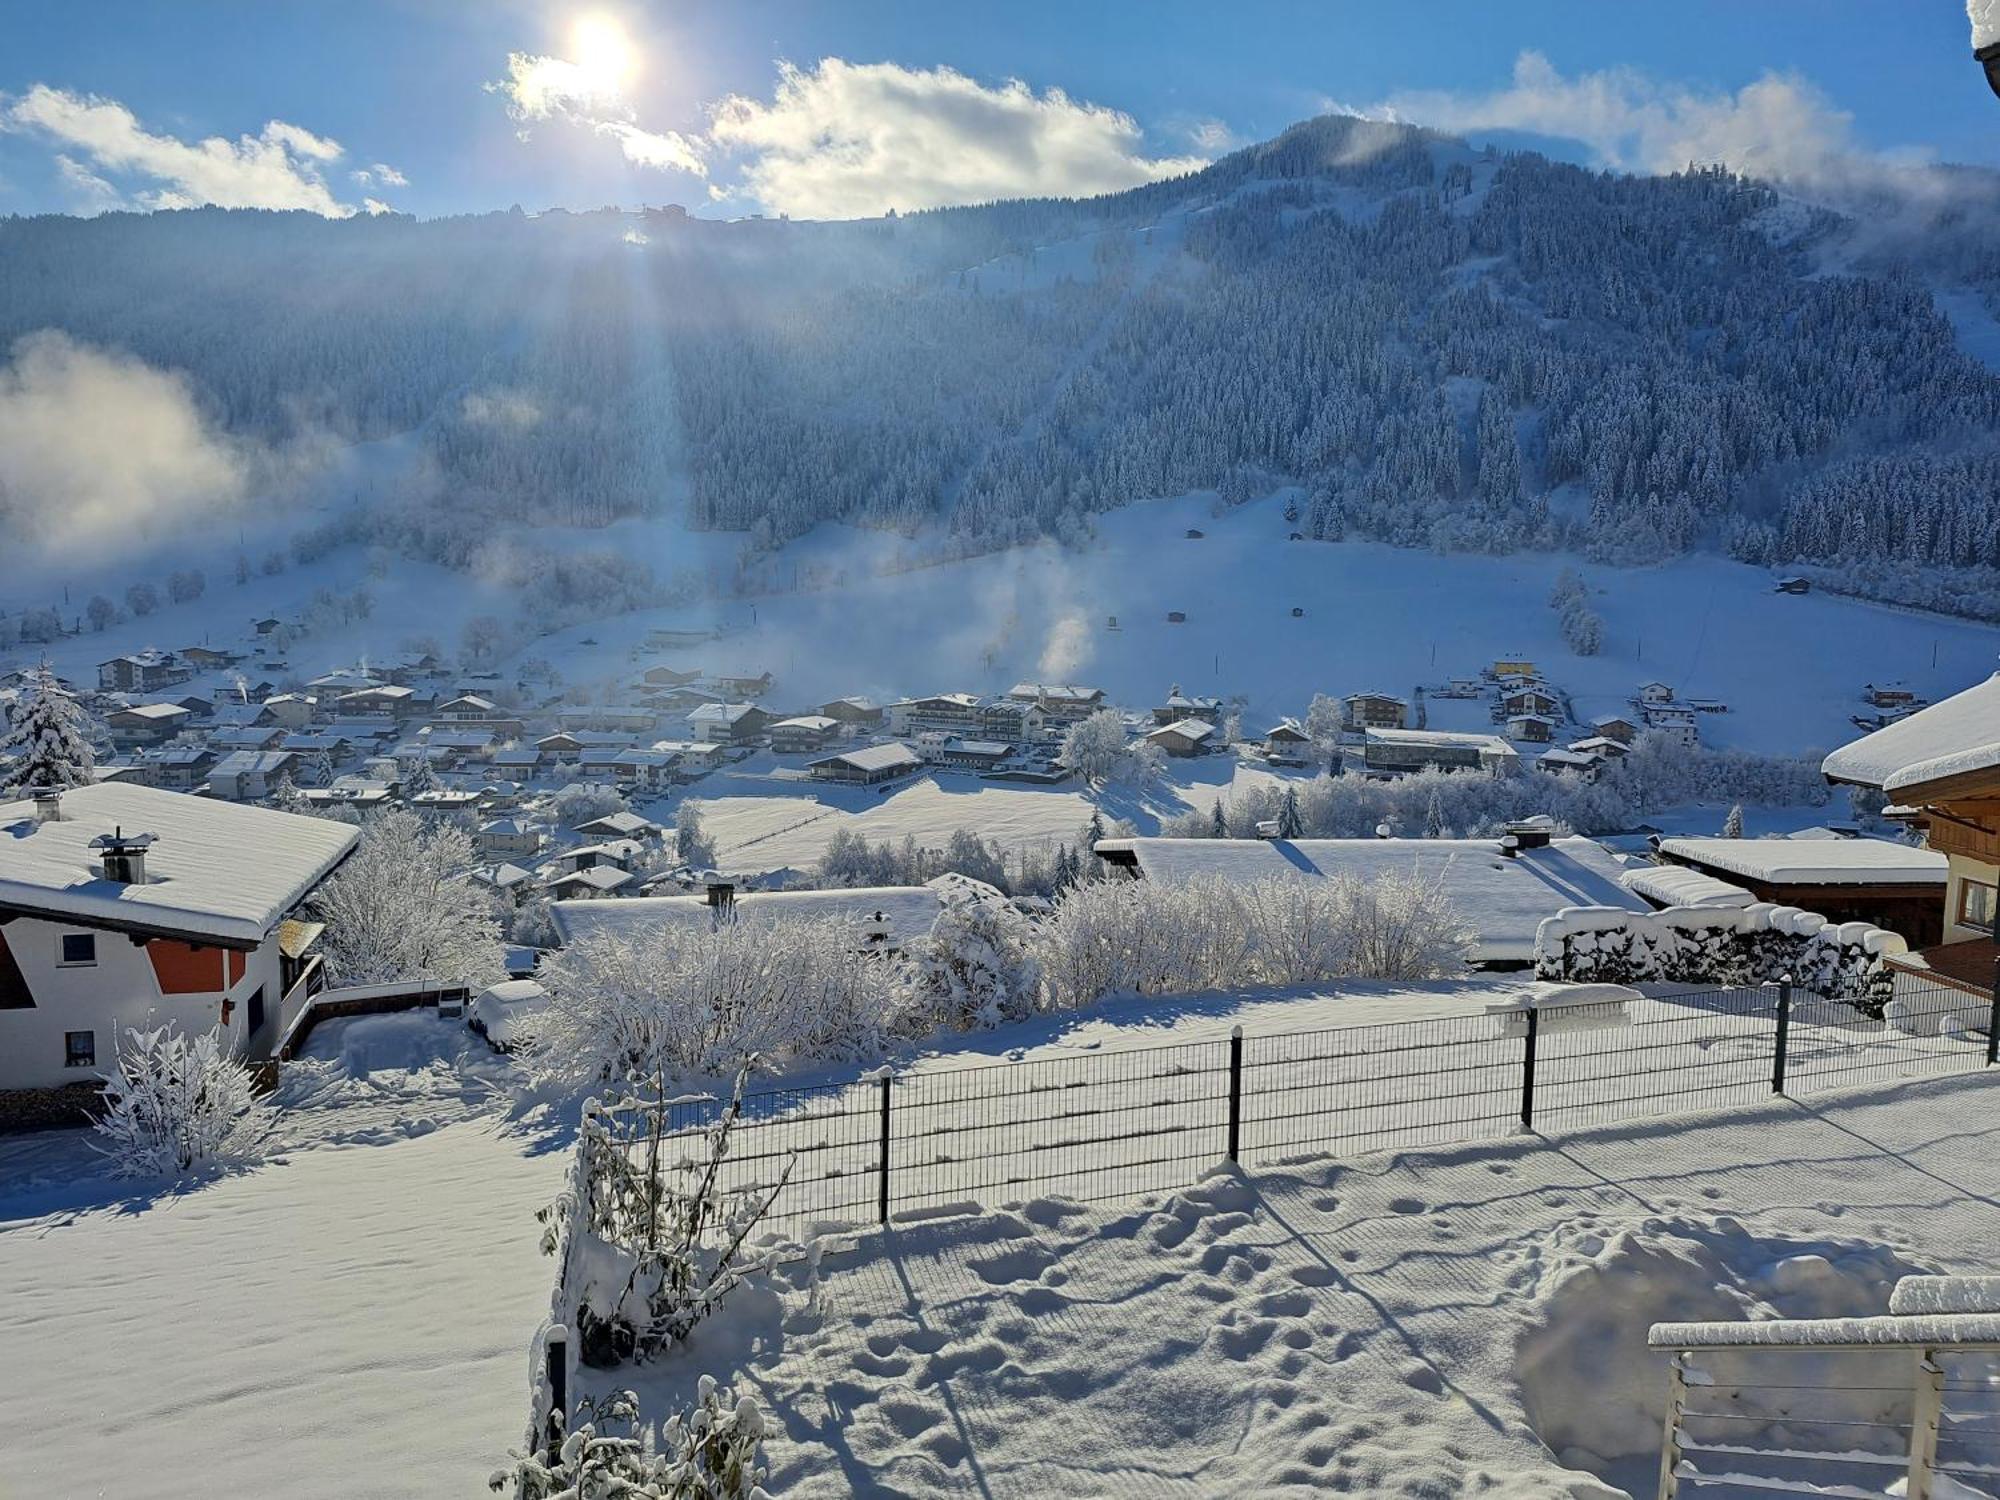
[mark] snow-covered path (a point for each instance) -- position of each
(352, 1321)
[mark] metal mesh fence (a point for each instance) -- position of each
(1124, 1122)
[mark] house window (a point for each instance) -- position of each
(79, 949)
(79, 1049)
(1976, 904)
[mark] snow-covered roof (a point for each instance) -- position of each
(218, 870)
(621, 822)
(153, 711)
(873, 757)
(893, 914)
(251, 762)
(1187, 729)
(1485, 744)
(720, 713)
(597, 878)
(1501, 899)
(1677, 885)
(1960, 734)
(817, 723)
(1829, 861)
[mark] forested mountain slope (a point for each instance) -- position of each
(1443, 347)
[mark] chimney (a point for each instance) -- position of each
(123, 856)
(721, 895)
(1531, 833)
(48, 803)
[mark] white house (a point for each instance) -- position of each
(249, 775)
(123, 905)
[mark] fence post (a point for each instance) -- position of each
(1528, 1071)
(1993, 1020)
(555, 1350)
(1670, 1443)
(882, 1191)
(1784, 1033)
(1235, 1089)
(1924, 1419)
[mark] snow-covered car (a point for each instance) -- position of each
(505, 1013)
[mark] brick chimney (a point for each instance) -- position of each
(123, 856)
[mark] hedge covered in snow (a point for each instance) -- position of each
(1757, 944)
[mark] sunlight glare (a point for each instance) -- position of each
(603, 53)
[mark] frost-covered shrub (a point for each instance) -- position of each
(179, 1105)
(694, 1001)
(975, 966)
(650, 1238)
(712, 1451)
(400, 908)
(1152, 938)
(1757, 944)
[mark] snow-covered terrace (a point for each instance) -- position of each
(1799, 861)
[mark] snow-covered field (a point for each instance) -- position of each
(1394, 1325)
(351, 1321)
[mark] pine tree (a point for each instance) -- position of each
(49, 738)
(1290, 824)
(418, 778)
(1434, 816)
(1218, 821)
(1732, 826)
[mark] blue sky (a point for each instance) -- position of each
(480, 104)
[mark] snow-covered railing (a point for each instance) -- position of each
(1757, 944)
(1853, 1402)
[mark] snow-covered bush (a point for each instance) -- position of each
(974, 967)
(694, 1001)
(178, 1105)
(580, 802)
(711, 1451)
(1757, 944)
(691, 841)
(650, 1238)
(401, 908)
(1150, 938)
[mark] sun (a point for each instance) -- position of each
(603, 54)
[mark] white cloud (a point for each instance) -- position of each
(667, 150)
(279, 168)
(97, 447)
(1214, 137)
(1781, 126)
(592, 95)
(375, 206)
(381, 174)
(845, 139)
(93, 194)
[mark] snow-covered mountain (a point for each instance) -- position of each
(1439, 346)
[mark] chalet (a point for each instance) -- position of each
(946, 713)
(1877, 881)
(1529, 700)
(1181, 706)
(1500, 889)
(385, 698)
(862, 711)
(288, 710)
(505, 879)
(517, 760)
(1461, 687)
(345, 680)
(622, 853)
(1793, 585)
(466, 708)
(1512, 666)
(600, 762)
(954, 753)
(250, 775)
(1194, 534)
(1177, 617)
(588, 884)
(1655, 692)
(1942, 765)
(202, 659)
(1287, 743)
(803, 735)
(1374, 711)
(1187, 737)
(265, 624)
(568, 744)
(360, 794)
(198, 705)
(126, 906)
(693, 759)
(330, 743)
(1890, 695)
(676, 702)
(611, 718)
(140, 672)
(1581, 764)
(146, 723)
(460, 745)
(739, 684)
(667, 677)
(868, 765)
(1676, 724)
(649, 770)
(508, 838)
(1537, 729)
(1395, 751)
(1613, 727)
(1059, 702)
(728, 723)
(446, 800)
(250, 737)
(620, 825)
(1602, 746)
(176, 768)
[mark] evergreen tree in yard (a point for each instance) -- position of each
(1434, 817)
(1218, 822)
(418, 778)
(288, 798)
(1732, 826)
(49, 738)
(1290, 824)
(1094, 831)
